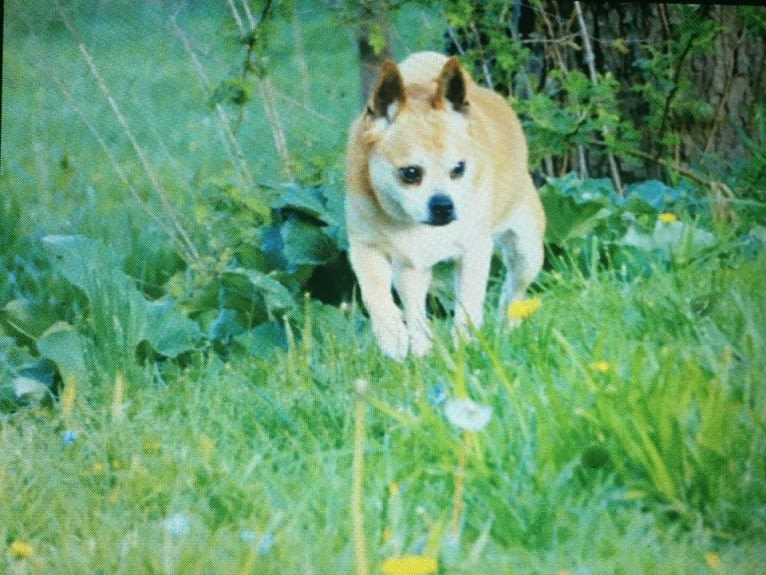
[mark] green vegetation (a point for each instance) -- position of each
(172, 406)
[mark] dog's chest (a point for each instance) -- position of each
(422, 247)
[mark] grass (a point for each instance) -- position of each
(627, 432)
(651, 465)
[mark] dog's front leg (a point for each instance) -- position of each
(374, 272)
(412, 286)
(471, 275)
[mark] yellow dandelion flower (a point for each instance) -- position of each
(667, 218)
(152, 445)
(21, 550)
(206, 446)
(523, 308)
(600, 366)
(409, 565)
(713, 560)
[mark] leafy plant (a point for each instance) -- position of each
(652, 224)
(119, 317)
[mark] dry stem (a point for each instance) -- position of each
(229, 139)
(112, 160)
(265, 90)
(590, 61)
(191, 251)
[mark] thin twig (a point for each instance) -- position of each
(721, 196)
(554, 45)
(461, 51)
(548, 159)
(112, 160)
(191, 251)
(230, 141)
(590, 61)
(583, 163)
(309, 109)
(277, 131)
(264, 86)
(677, 167)
(484, 67)
(300, 59)
(674, 88)
(455, 41)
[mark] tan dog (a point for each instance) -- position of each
(437, 170)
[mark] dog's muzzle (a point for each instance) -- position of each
(441, 210)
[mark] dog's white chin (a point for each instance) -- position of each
(439, 223)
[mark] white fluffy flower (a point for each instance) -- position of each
(467, 414)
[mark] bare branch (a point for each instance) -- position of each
(264, 86)
(112, 160)
(191, 251)
(231, 144)
(590, 62)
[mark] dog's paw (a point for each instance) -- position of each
(393, 338)
(420, 341)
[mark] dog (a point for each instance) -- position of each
(436, 170)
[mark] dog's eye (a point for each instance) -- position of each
(411, 174)
(457, 171)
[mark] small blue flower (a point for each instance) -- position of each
(69, 436)
(437, 395)
(264, 542)
(267, 542)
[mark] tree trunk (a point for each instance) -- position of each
(733, 80)
(372, 30)
(711, 91)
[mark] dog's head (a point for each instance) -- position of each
(420, 161)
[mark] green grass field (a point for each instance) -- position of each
(628, 413)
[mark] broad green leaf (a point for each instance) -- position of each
(225, 325)
(32, 382)
(307, 200)
(264, 339)
(306, 244)
(673, 239)
(84, 262)
(27, 317)
(276, 295)
(64, 346)
(652, 193)
(27, 390)
(569, 218)
(115, 300)
(168, 331)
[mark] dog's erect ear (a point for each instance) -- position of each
(451, 86)
(388, 96)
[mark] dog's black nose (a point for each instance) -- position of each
(441, 210)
